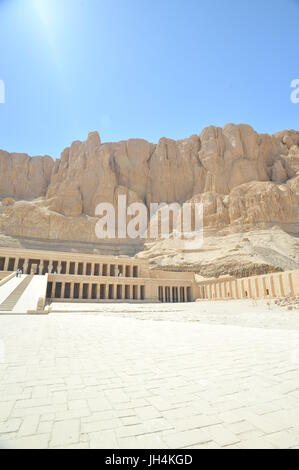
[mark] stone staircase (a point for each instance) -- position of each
(11, 301)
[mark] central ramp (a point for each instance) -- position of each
(35, 290)
(9, 304)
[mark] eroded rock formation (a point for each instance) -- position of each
(245, 180)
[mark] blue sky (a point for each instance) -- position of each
(143, 68)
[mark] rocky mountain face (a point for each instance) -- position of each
(246, 181)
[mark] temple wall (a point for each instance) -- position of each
(268, 286)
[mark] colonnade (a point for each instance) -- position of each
(94, 291)
(173, 294)
(271, 285)
(77, 268)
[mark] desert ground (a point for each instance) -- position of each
(202, 375)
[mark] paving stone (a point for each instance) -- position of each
(65, 433)
(103, 440)
(184, 439)
(9, 426)
(29, 426)
(222, 435)
(147, 412)
(5, 409)
(40, 441)
(101, 381)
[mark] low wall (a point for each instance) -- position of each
(5, 277)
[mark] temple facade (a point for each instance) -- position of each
(77, 277)
(92, 277)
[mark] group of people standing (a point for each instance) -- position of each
(19, 273)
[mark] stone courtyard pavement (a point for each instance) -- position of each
(110, 380)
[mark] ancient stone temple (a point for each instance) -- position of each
(94, 278)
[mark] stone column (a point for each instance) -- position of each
(59, 267)
(281, 286)
(114, 292)
(76, 268)
(67, 267)
(50, 268)
(6, 263)
(250, 288)
(231, 288)
(272, 287)
(97, 291)
(63, 290)
(237, 289)
(186, 294)
(265, 287)
(243, 289)
(25, 266)
(53, 290)
(41, 267)
(220, 289)
(106, 291)
(100, 269)
(257, 288)
(128, 288)
(16, 263)
(80, 290)
(72, 287)
(89, 291)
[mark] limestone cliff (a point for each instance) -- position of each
(246, 180)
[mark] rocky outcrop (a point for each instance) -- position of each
(245, 181)
(23, 177)
(237, 254)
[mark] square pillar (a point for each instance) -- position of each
(76, 268)
(89, 292)
(16, 263)
(41, 267)
(114, 291)
(72, 287)
(80, 290)
(130, 292)
(67, 267)
(98, 291)
(53, 290)
(59, 267)
(6, 263)
(25, 266)
(106, 291)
